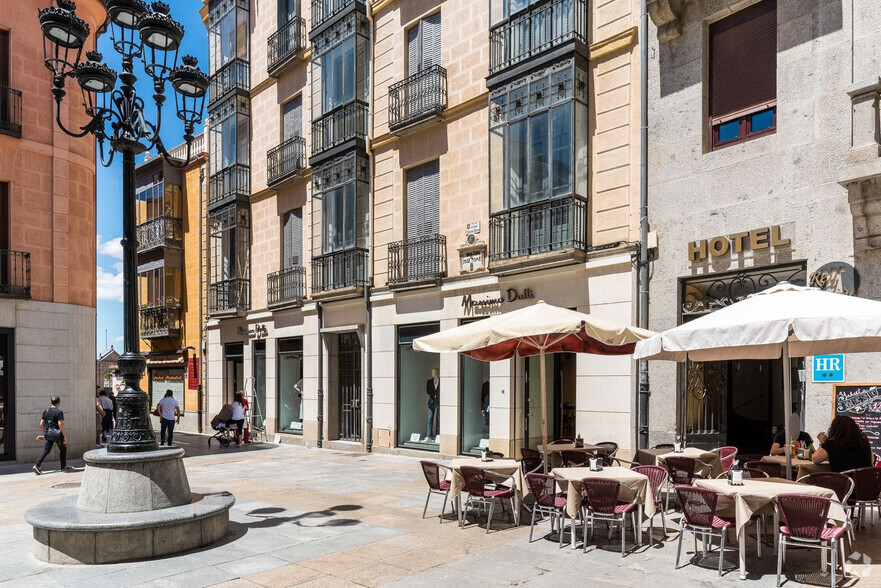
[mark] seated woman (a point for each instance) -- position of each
(846, 446)
(779, 445)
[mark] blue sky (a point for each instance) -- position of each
(109, 217)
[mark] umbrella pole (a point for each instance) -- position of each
(544, 407)
(787, 406)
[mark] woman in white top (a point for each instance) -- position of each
(238, 417)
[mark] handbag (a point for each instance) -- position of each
(156, 411)
(53, 434)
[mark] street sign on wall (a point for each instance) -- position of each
(828, 368)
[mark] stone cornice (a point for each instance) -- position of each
(613, 44)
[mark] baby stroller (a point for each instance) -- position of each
(219, 424)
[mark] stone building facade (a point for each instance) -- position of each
(778, 183)
(47, 244)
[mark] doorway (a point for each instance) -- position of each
(7, 395)
(349, 386)
(560, 384)
(235, 370)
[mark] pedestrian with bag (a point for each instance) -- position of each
(107, 418)
(52, 425)
(169, 415)
(99, 417)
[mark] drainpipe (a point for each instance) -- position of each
(320, 376)
(644, 392)
(368, 310)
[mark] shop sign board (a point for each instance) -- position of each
(258, 331)
(862, 403)
(828, 368)
(838, 277)
(754, 240)
(488, 305)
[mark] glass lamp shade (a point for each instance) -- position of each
(64, 35)
(161, 37)
(96, 80)
(125, 13)
(190, 86)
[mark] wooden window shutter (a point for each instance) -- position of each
(413, 51)
(292, 117)
(431, 40)
(415, 198)
(743, 60)
(423, 200)
(292, 238)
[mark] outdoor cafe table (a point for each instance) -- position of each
(501, 467)
(756, 496)
(708, 457)
(805, 466)
(558, 448)
(632, 483)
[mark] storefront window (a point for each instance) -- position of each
(258, 411)
(7, 417)
(235, 370)
(474, 388)
(162, 380)
(418, 391)
(290, 386)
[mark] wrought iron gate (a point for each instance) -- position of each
(349, 357)
(703, 390)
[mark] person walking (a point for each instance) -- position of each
(169, 415)
(99, 416)
(238, 416)
(107, 418)
(52, 425)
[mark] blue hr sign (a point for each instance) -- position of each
(828, 368)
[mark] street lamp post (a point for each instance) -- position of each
(153, 37)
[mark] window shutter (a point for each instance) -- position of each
(4, 58)
(414, 201)
(292, 117)
(293, 238)
(743, 59)
(423, 200)
(431, 41)
(413, 52)
(193, 374)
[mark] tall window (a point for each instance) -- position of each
(287, 10)
(339, 218)
(423, 200)
(160, 285)
(424, 44)
(340, 65)
(292, 119)
(339, 204)
(292, 239)
(743, 75)
(229, 133)
(228, 32)
(4, 215)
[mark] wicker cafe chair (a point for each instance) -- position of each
(727, 455)
(774, 470)
(435, 475)
(805, 525)
(531, 465)
(610, 447)
(573, 459)
(479, 495)
(866, 493)
(657, 479)
(841, 484)
(681, 471)
(532, 453)
(699, 518)
(547, 501)
(599, 501)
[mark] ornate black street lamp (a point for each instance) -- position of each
(151, 35)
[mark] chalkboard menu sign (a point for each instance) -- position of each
(862, 403)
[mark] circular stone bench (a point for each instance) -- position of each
(66, 535)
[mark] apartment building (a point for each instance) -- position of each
(47, 244)
(172, 277)
(763, 168)
(382, 170)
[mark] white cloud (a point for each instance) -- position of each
(111, 248)
(109, 285)
(120, 339)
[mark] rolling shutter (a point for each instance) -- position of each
(292, 239)
(743, 60)
(431, 40)
(292, 119)
(423, 200)
(414, 53)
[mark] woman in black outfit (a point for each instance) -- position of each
(846, 446)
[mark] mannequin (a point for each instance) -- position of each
(432, 389)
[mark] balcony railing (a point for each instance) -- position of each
(420, 96)
(416, 260)
(286, 160)
(15, 274)
(234, 180)
(229, 296)
(10, 111)
(538, 228)
(160, 321)
(284, 43)
(286, 286)
(536, 29)
(338, 126)
(323, 10)
(235, 75)
(343, 269)
(197, 148)
(163, 231)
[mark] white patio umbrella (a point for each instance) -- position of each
(784, 320)
(535, 330)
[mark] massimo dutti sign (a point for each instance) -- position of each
(486, 305)
(754, 240)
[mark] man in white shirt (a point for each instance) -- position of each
(106, 405)
(169, 415)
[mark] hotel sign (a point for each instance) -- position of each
(838, 277)
(754, 240)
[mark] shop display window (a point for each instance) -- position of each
(418, 391)
(290, 385)
(162, 380)
(258, 410)
(474, 403)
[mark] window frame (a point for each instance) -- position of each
(745, 132)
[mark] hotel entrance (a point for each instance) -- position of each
(738, 402)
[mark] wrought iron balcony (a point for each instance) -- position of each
(10, 111)
(163, 231)
(342, 269)
(160, 321)
(536, 29)
(234, 180)
(419, 97)
(285, 161)
(323, 10)
(229, 296)
(417, 260)
(15, 274)
(545, 226)
(285, 43)
(338, 126)
(235, 75)
(286, 286)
